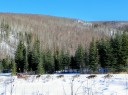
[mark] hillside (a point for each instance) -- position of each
(53, 32)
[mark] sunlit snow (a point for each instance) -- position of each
(53, 85)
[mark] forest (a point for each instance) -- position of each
(46, 44)
(110, 53)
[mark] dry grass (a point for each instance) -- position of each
(123, 73)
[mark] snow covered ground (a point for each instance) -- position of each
(64, 85)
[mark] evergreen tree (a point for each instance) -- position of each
(6, 63)
(106, 59)
(79, 57)
(25, 55)
(125, 50)
(109, 58)
(113, 58)
(35, 55)
(62, 55)
(116, 44)
(93, 56)
(13, 67)
(58, 60)
(49, 62)
(19, 56)
(66, 60)
(40, 68)
(1, 67)
(86, 59)
(29, 50)
(30, 61)
(73, 64)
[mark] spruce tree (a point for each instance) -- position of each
(86, 58)
(1, 67)
(66, 60)
(105, 59)
(116, 44)
(93, 56)
(73, 64)
(57, 60)
(114, 59)
(25, 55)
(35, 55)
(6, 63)
(49, 62)
(121, 54)
(29, 50)
(40, 68)
(109, 59)
(13, 67)
(125, 51)
(19, 57)
(79, 57)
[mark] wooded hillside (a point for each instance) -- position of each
(53, 32)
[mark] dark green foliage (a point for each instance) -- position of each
(86, 58)
(113, 53)
(79, 57)
(29, 51)
(93, 56)
(1, 67)
(35, 55)
(13, 68)
(58, 60)
(20, 57)
(30, 61)
(6, 64)
(116, 44)
(106, 53)
(49, 62)
(40, 68)
(125, 49)
(66, 60)
(25, 53)
(73, 64)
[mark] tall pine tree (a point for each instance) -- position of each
(35, 55)
(40, 68)
(49, 62)
(93, 56)
(13, 67)
(79, 57)
(66, 60)
(19, 57)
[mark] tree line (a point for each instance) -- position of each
(110, 53)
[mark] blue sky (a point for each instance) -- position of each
(88, 10)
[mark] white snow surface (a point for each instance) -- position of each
(52, 85)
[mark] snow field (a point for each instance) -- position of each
(65, 85)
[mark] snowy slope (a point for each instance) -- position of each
(52, 85)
